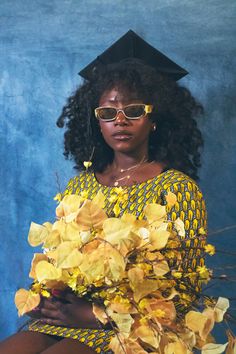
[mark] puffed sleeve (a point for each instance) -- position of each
(190, 208)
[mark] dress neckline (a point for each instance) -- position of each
(149, 180)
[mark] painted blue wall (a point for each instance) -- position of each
(43, 44)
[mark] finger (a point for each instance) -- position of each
(60, 295)
(35, 313)
(72, 298)
(52, 321)
(49, 303)
(51, 313)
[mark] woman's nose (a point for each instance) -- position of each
(120, 118)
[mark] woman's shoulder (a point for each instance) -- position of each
(190, 204)
(178, 182)
(172, 177)
(76, 183)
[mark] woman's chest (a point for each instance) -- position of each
(120, 200)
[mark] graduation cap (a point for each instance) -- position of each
(130, 45)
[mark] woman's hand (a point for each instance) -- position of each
(66, 309)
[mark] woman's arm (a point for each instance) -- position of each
(190, 208)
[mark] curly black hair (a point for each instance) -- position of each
(177, 140)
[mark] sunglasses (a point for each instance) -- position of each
(132, 111)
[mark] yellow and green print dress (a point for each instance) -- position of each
(190, 207)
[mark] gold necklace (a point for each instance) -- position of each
(130, 168)
(133, 168)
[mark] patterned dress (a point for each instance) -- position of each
(190, 207)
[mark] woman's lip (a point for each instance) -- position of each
(122, 135)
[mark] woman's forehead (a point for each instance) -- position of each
(119, 95)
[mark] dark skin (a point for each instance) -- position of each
(130, 148)
(66, 309)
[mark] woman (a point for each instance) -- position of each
(137, 127)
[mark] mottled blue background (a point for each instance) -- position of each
(43, 44)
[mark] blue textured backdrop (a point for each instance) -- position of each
(43, 44)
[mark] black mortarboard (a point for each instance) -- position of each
(131, 45)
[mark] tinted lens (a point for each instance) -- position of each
(106, 113)
(134, 111)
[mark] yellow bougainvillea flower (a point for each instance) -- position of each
(118, 233)
(46, 271)
(210, 249)
(69, 206)
(202, 231)
(37, 234)
(48, 226)
(45, 293)
(144, 233)
(93, 267)
(220, 308)
(155, 214)
(204, 272)
(62, 231)
(135, 275)
(121, 345)
(100, 314)
(71, 233)
(176, 274)
(87, 164)
(99, 200)
(60, 226)
(118, 196)
(120, 193)
(115, 230)
(36, 288)
(123, 321)
(141, 286)
(38, 257)
(26, 301)
(104, 261)
(231, 348)
(90, 216)
(161, 268)
(147, 335)
(115, 266)
(58, 197)
(129, 218)
(200, 323)
(176, 348)
(72, 280)
(52, 240)
(158, 239)
(213, 348)
(132, 266)
(122, 306)
(67, 255)
(160, 310)
(171, 199)
(188, 338)
(85, 236)
(153, 256)
(179, 225)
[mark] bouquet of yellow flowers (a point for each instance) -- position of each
(132, 271)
